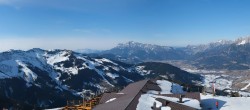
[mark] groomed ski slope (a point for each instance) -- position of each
(225, 103)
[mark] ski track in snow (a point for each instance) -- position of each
(244, 88)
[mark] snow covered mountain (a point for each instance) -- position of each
(135, 52)
(39, 78)
(230, 56)
(194, 49)
(223, 54)
(242, 41)
(139, 52)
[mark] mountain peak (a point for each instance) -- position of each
(242, 40)
(37, 50)
(133, 44)
(135, 51)
(129, 44)
(223, 42)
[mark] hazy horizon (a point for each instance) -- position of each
(86, 45)
(102, 24)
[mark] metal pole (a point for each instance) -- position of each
(82, 97)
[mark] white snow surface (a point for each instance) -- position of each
(58, 58)
(110, 100)
(165, 108)
(113, 76)
(244, 88)
(187, 101)
(147, 100)
(28, 74)
(142, 71)
(242, 42)
(10, 62)
(70, 70)
(10, 68)
(105, 60)
(225, 103)
(17, 63)
(169, 87)
(220, 82)
(88, 63)
(244, 94)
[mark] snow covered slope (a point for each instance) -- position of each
(55, 76)
(225, 103)
(208, 102)
(147, 100)
(64, 74)
(221, 81)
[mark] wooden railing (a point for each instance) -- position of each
(82, 105)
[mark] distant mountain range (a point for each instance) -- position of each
(230, 55)
(87, 51)
(134, 51)
(41, 79)
(223, 54)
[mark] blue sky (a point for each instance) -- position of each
(102, 24)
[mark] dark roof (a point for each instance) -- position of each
(176, 105)
(149, 86)
(123, 99)
(128, 98)
(191, 95)
(106, 96)
(134, 87)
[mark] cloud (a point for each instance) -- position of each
(4, 1)
(8, 3)
(17, 4)
(88, 6)
(13, 2)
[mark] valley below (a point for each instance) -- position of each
(235, 80)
